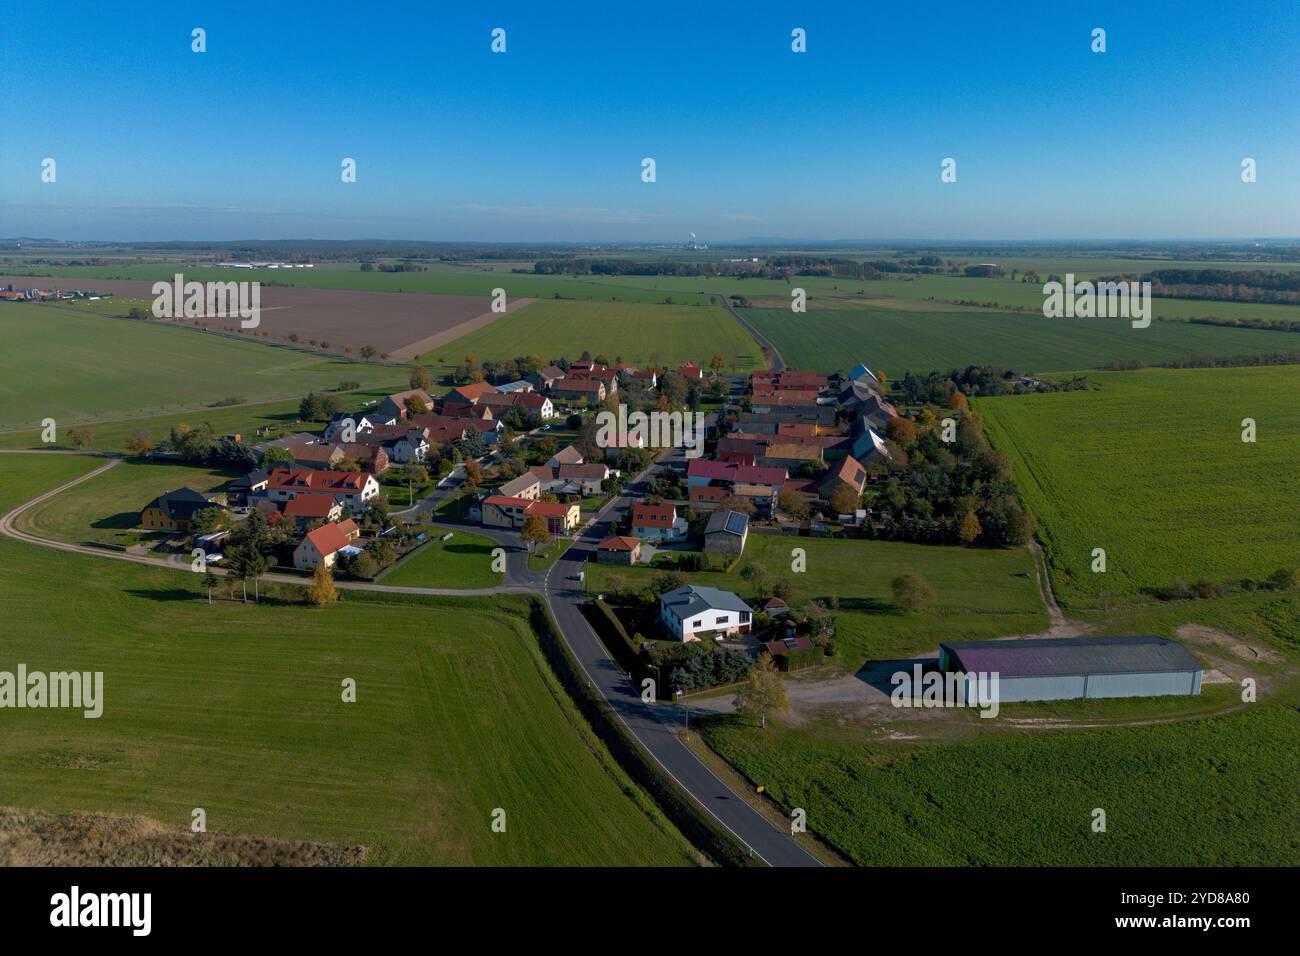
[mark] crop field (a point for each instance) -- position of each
(237, 709)
(1152, 468)
(901, 340)
(979, 592)
(1213, 792)
(74, 368)
(641, 334)
(463, 562)
(341, 321)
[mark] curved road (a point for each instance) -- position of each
(564, 597)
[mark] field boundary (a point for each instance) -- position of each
(430, 342)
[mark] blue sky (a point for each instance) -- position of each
(545, 142)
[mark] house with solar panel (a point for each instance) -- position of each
(726, 532)
(1077, 667)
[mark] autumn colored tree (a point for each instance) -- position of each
(81, 437)
(473, 473)
(140, 443)
(901, 430)
(535, 532)
(845, 500)
(958, 401)
(419, 377)
(969, 529)
(717, 363)
(322, 591)
(793, 504)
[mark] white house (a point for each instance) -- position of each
(691, 611)
(412, 447)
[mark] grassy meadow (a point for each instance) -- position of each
(979, 592)
(463, 562)
(1152, 468)
(236, 709)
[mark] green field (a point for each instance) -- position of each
(979, 592)
(463, 562)
(236, 709)
(642, 334)
(1151, 467)
(74, 368)
(901, 340)
(1214, 792)
(107, 507)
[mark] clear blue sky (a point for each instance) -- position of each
(545, 142)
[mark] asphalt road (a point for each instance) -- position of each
(564, 594)
(778, 363)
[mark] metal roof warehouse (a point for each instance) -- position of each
(1078, 667)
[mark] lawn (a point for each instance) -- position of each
(1152, 468)
(463, 562)
(237, 709)
(107, 508)
(899, 340)
(638, 333)
(979, 592)
(1213, 792)
(82, 368)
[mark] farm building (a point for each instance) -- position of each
(726, 532)
(1078, 667)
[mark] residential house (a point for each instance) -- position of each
(525, 486)
(700, 471)
(690, 612)
(860, 373)
(298, 438)
(589, 478)
(619, 549)
(869, 448)
(616, 443)
(877, 413)
(354, 488)
(322, 546)
(706, 498)
(568, 455)
(658, 522)
(173, 510)
(371, 458)
(499, 511)
(320, 457)
(761, 496)
(791, 456)
(305, 509)
(847, 474)
(691, 370)
(411, 447)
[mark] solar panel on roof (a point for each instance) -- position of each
(736, 522)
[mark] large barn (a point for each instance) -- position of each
(1076, 667)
